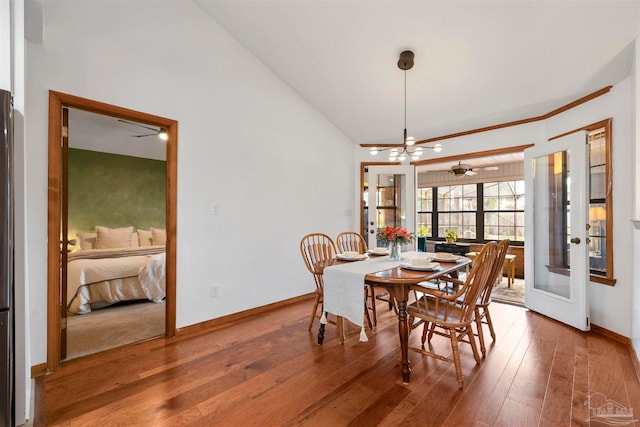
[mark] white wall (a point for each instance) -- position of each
(610, 307)
(274, 166)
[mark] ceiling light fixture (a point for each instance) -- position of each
(405, 62)
(159, 132)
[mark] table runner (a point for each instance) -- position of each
(344, 288)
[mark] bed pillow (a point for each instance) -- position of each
(145, 237)
(158, 236)
(86, 240)
(109, 238)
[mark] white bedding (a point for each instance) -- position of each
(106, 276)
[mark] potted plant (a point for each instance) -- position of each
(451, 236)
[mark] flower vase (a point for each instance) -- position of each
(394, 251)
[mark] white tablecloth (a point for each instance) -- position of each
(344, 286)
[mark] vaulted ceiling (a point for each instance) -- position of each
(477, 63)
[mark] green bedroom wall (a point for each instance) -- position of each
(115, 191)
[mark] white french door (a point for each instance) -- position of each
(390, 200)
(556, 256)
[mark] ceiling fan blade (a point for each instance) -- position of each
(470, 172)
(139, 125)
(491, 168)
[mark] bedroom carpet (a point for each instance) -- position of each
(113, 327)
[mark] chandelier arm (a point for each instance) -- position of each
(380, 150)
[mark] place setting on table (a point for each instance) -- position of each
(352, 256)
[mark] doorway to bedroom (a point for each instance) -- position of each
(112, 202)
(116, 187)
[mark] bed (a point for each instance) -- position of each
(125, 270)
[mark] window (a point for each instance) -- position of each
(457, 206)
(504, 210)
(425, 210)
(600, 203)
(476, 212)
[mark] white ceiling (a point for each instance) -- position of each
(96, 132)
(477, 63)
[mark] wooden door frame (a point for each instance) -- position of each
(57, 101)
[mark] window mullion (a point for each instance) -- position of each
(480, 212)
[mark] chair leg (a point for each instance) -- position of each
(478, 319)
(366, 314)
(432, 328)
(372, 292)
(456, 357)
(472, 340)
(315, 309)
(425, 329)
(489, 323)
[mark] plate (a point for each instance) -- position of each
(432, 266)
(451, 258)
(352, 258)
(372, 252)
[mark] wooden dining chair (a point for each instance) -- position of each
(481, 310)
(352, 241)
(452, 315)
(316, 250)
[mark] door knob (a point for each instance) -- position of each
(575, 240)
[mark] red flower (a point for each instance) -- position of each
(395, 234)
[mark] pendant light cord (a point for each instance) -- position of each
(405, 101)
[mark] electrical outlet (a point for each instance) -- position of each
(213, 292)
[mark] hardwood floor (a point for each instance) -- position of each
(269, 371)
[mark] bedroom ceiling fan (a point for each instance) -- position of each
(159, 132)
(462, 169)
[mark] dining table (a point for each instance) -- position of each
(343, 289)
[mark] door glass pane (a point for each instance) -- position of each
(551, 200)
(597, 236)
(425, 208)
(365, 204)
(390, 202)
(597, 163)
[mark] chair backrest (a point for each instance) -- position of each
(315, 248)
(496, 269)
(351, 241)
(476, 280)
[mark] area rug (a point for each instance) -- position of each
(512, 295)
(113, 326)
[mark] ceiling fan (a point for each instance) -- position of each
(462, 169)
(159, 132)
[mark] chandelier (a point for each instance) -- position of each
(405, 62)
